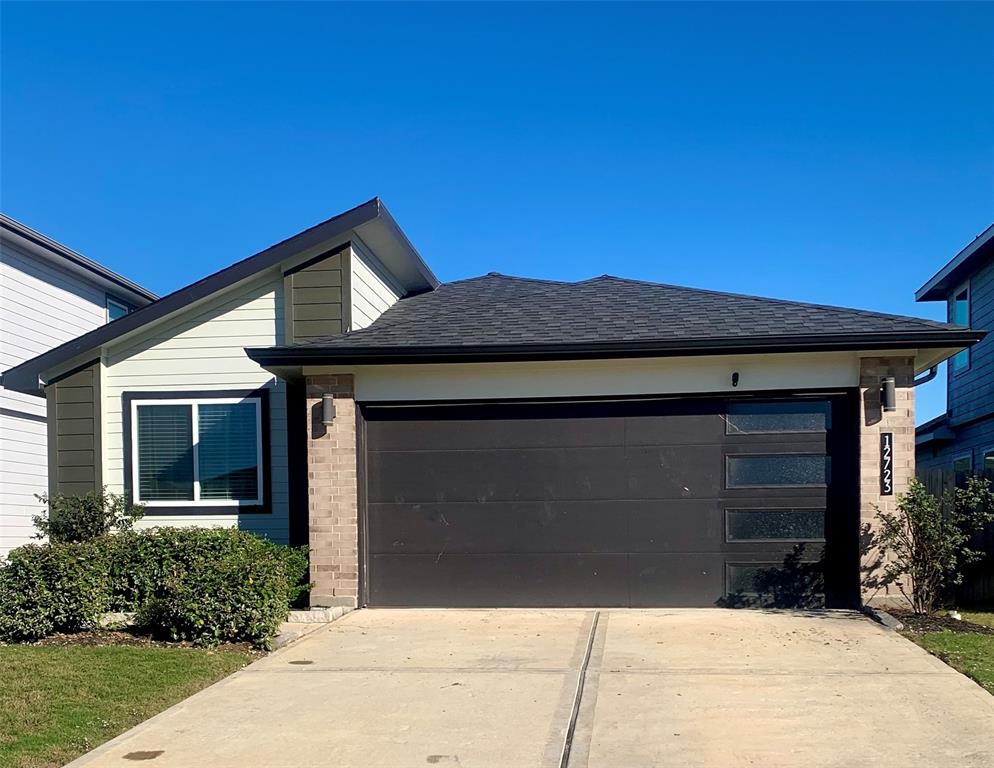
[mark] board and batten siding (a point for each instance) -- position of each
(204, 349)
(41, 307)
(373, 291)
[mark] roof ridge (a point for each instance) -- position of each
(767, 299)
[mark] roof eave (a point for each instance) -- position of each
(360, 355)
(956, 270)
(371, 216)
(40, 245)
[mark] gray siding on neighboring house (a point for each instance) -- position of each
(315, 291)
(975, 439)
(74, 432)
(971, 391)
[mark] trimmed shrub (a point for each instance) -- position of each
(140, 563)
(206, 585)
(85, 516)
(240, 596)
(47, 588)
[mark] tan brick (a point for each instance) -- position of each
(333, 493)
(873, 421)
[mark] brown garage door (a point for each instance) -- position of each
(626, 503)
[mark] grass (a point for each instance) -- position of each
(986, 618)
(57, 703)
(969, 653)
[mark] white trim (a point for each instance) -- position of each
(119, 304)
(195, 427)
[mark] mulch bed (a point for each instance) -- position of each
(135, 639)
(915, 623)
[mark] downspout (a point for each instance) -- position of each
(932, 373)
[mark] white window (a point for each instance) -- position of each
(197, 452)
(116, 309)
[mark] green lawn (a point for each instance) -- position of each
(58, 702)
(970, 653)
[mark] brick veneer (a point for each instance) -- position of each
(333, 493)
(873, 421)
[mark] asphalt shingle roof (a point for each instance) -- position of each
(497, 309)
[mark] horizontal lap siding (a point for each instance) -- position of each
(74, 432)
(373, 293)
(314, 294)
(204, 349)
(41, 307)
(971, 392)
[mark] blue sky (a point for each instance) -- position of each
(835, 154)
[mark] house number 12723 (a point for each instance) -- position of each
(886, 463)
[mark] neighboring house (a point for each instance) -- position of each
(48, 295)
(962, 439)
(502, 440)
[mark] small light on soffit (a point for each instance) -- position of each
(888, 393)
(327, 410)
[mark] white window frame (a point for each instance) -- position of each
(116, 303)
(193, 402)
(967, 356)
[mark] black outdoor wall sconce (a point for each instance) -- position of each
(327, 410)
(888, 393)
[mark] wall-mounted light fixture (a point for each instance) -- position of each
(888, 393)
(327, 410)
(735, 378)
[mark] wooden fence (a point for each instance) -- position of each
(978, 578)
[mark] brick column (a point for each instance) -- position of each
(333, 493)
(873, 421)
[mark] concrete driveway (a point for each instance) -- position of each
(612, 689)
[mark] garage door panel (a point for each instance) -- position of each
(429, 433)
(676, 580)
(671, 472)
(674, 429)
(665, 503)
(522, 580)
(507, 475)
(499, 527)
(675, 525)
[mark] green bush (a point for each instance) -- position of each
(140, 563)
(240, 596)
(206, 585)
(57, 587)
(85, 516)
(925, 544)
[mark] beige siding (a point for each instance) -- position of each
(594, 378)
(373, 292)
(203, 349)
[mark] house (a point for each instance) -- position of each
(962, 439)
(503, 441)
(48, 295)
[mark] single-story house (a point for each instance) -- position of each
(500, 441)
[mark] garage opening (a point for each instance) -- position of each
(641, 503)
